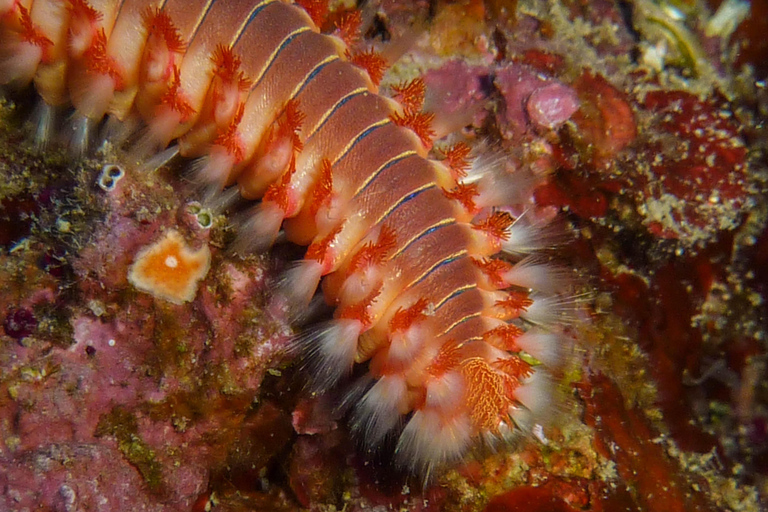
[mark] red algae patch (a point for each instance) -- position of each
(169, 269)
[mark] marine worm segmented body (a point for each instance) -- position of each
(407, 247)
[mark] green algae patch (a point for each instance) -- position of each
(121, 425)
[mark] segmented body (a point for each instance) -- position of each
(270, 104)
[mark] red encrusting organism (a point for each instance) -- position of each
(423, 258)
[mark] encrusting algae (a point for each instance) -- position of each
(169, 269)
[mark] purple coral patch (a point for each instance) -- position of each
(19, 323)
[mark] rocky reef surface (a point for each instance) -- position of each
(143, 366)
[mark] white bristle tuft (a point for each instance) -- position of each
(299, 283)
(507, 188)
(156, 135)
(547, 347)
(117, 131)
(430, 440)
(224, 200)
(551, 310)
(43, 120)
(80, 131)
(537, 275)
(446, 392)
(259, 229)
(158, 160)
(498, 183)
(484, 163)
(528, 234)
(506, 434)
(330, 349)
(536, 393)
(210, 173)
(379, 410)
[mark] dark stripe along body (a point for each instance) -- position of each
(269, 103)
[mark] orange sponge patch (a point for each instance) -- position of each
(169, 269)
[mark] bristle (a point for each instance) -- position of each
(222, 201)
(547, 347)
(299, 283)
(552, 310)
(331, 349)
(502, 186)
(529, 234)
(378, 413)
(430, 440)
(158, 160)
(43, 120)
(211, 173)
(537, 275)
(259, 229)
(79, 135)
(484, 161)
(535, 394)
(117, 132)
(157, 135)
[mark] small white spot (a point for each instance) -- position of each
(111, 343)
(171, 262)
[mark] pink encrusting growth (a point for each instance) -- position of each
(422, 258)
